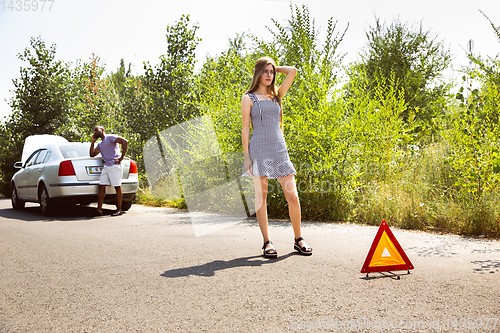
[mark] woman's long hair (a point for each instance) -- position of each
(260, 64)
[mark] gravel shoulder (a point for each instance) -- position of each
(146, 271)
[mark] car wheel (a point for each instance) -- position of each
(17, 203)
(126, 205)
(46, 202)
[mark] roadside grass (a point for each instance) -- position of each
(146, 198)
(421, 194)
(418, 194)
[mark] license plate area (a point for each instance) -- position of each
(94, 170)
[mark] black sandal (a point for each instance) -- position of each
(267, 253)
(305, 250)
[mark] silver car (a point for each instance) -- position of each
(54, 172)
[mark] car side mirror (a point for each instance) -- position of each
(18, 165)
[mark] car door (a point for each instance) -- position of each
(23, 182)
(35, 173)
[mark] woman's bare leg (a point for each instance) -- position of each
(290, 189)
(260, 184)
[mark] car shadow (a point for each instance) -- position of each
(33, 213)
(210, 268)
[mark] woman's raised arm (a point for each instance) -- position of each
(290, 72)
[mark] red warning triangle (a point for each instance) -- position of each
(386, 254)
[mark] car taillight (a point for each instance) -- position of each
(133, 167)
(66, 168)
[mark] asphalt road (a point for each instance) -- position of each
(147, 272)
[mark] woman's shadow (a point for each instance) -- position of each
(210, 268)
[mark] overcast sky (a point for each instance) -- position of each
(135, 30)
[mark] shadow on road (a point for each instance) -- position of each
(63, 213)
(210, 268)
(382, 275)
(487, 266)
(441, 250)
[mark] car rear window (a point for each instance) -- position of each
(74, 150)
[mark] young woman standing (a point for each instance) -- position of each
(266, 154)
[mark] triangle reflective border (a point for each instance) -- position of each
(385, 253)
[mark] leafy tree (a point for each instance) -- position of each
(118, 79)
(95, 100)
(139, 124)
(474, 142)
(473, 138)
(488, 68)
(475, 130)
(170, 83)
(416, 59)
(40, 103)
(41, 95)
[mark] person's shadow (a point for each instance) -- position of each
(210, 268)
